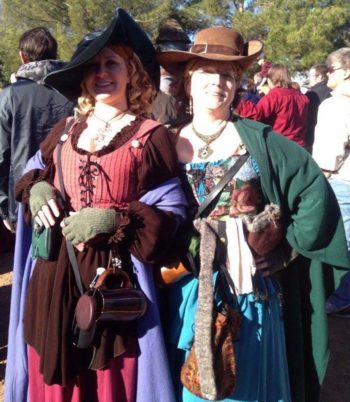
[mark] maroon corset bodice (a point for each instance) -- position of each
(107, 177)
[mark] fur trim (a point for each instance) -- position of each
(271, 213)
(37, 70)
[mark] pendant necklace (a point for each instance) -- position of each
(206, 151)
(103, 132)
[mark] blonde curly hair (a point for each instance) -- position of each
(140, 90)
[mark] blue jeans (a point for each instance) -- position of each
(341, 297)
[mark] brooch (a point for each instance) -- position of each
(135, 144)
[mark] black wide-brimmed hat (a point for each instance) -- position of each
(122, 30)
(171, 36)
(216, 43)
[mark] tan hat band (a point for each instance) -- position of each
(214, 49)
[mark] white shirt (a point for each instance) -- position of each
(332, 133)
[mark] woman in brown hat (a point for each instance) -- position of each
(123, 202)
(266, 202)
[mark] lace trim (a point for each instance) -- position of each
(123, 136)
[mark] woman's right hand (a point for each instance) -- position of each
(43, 204)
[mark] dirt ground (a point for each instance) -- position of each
(337, 383)
(336, 387)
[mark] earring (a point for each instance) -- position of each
(232, 110)
(190, 106)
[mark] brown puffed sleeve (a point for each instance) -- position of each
(160, 161)
(27, 181)
(147, 229)
(153, 230)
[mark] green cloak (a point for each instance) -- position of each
(314, 227)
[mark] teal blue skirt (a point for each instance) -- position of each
(262, 371)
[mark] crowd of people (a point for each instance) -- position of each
(155, 164)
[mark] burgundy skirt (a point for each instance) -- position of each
(116, 383)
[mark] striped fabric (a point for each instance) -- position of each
(103, 181)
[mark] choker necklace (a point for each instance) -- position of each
(103, 132)
(206, 151)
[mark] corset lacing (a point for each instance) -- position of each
(89, 171)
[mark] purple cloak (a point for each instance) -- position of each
(154, 382)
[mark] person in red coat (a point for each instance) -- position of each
(283, 108)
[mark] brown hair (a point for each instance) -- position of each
(279, 76)
(38, 44)
(320, 70)
(295, 85)
(140, 92)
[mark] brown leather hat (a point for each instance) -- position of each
(216, 43)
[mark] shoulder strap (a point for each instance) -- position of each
(62, 140)
(71, 254)
(222, 183)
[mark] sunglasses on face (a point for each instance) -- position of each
(331, 69)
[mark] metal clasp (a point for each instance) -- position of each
(116, 263)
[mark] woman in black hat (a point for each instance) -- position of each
(119, 173)
(274, 199)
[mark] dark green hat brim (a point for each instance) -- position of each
(122, 30)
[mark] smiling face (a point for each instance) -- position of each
(212, 86)
(106, 77)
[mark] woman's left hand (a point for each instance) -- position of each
(44, 202)
(80, 227)
(48, 214)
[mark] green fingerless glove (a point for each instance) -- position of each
(89, 223)
(40, 194)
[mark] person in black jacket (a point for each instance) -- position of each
(170, 107)
(28, 111)
(317, 93)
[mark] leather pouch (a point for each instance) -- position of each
(45, 242)
(225, 329)
(113, 299)
(265, 230)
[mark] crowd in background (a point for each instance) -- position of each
(136, 152)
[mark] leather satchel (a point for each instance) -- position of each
(113, 298)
